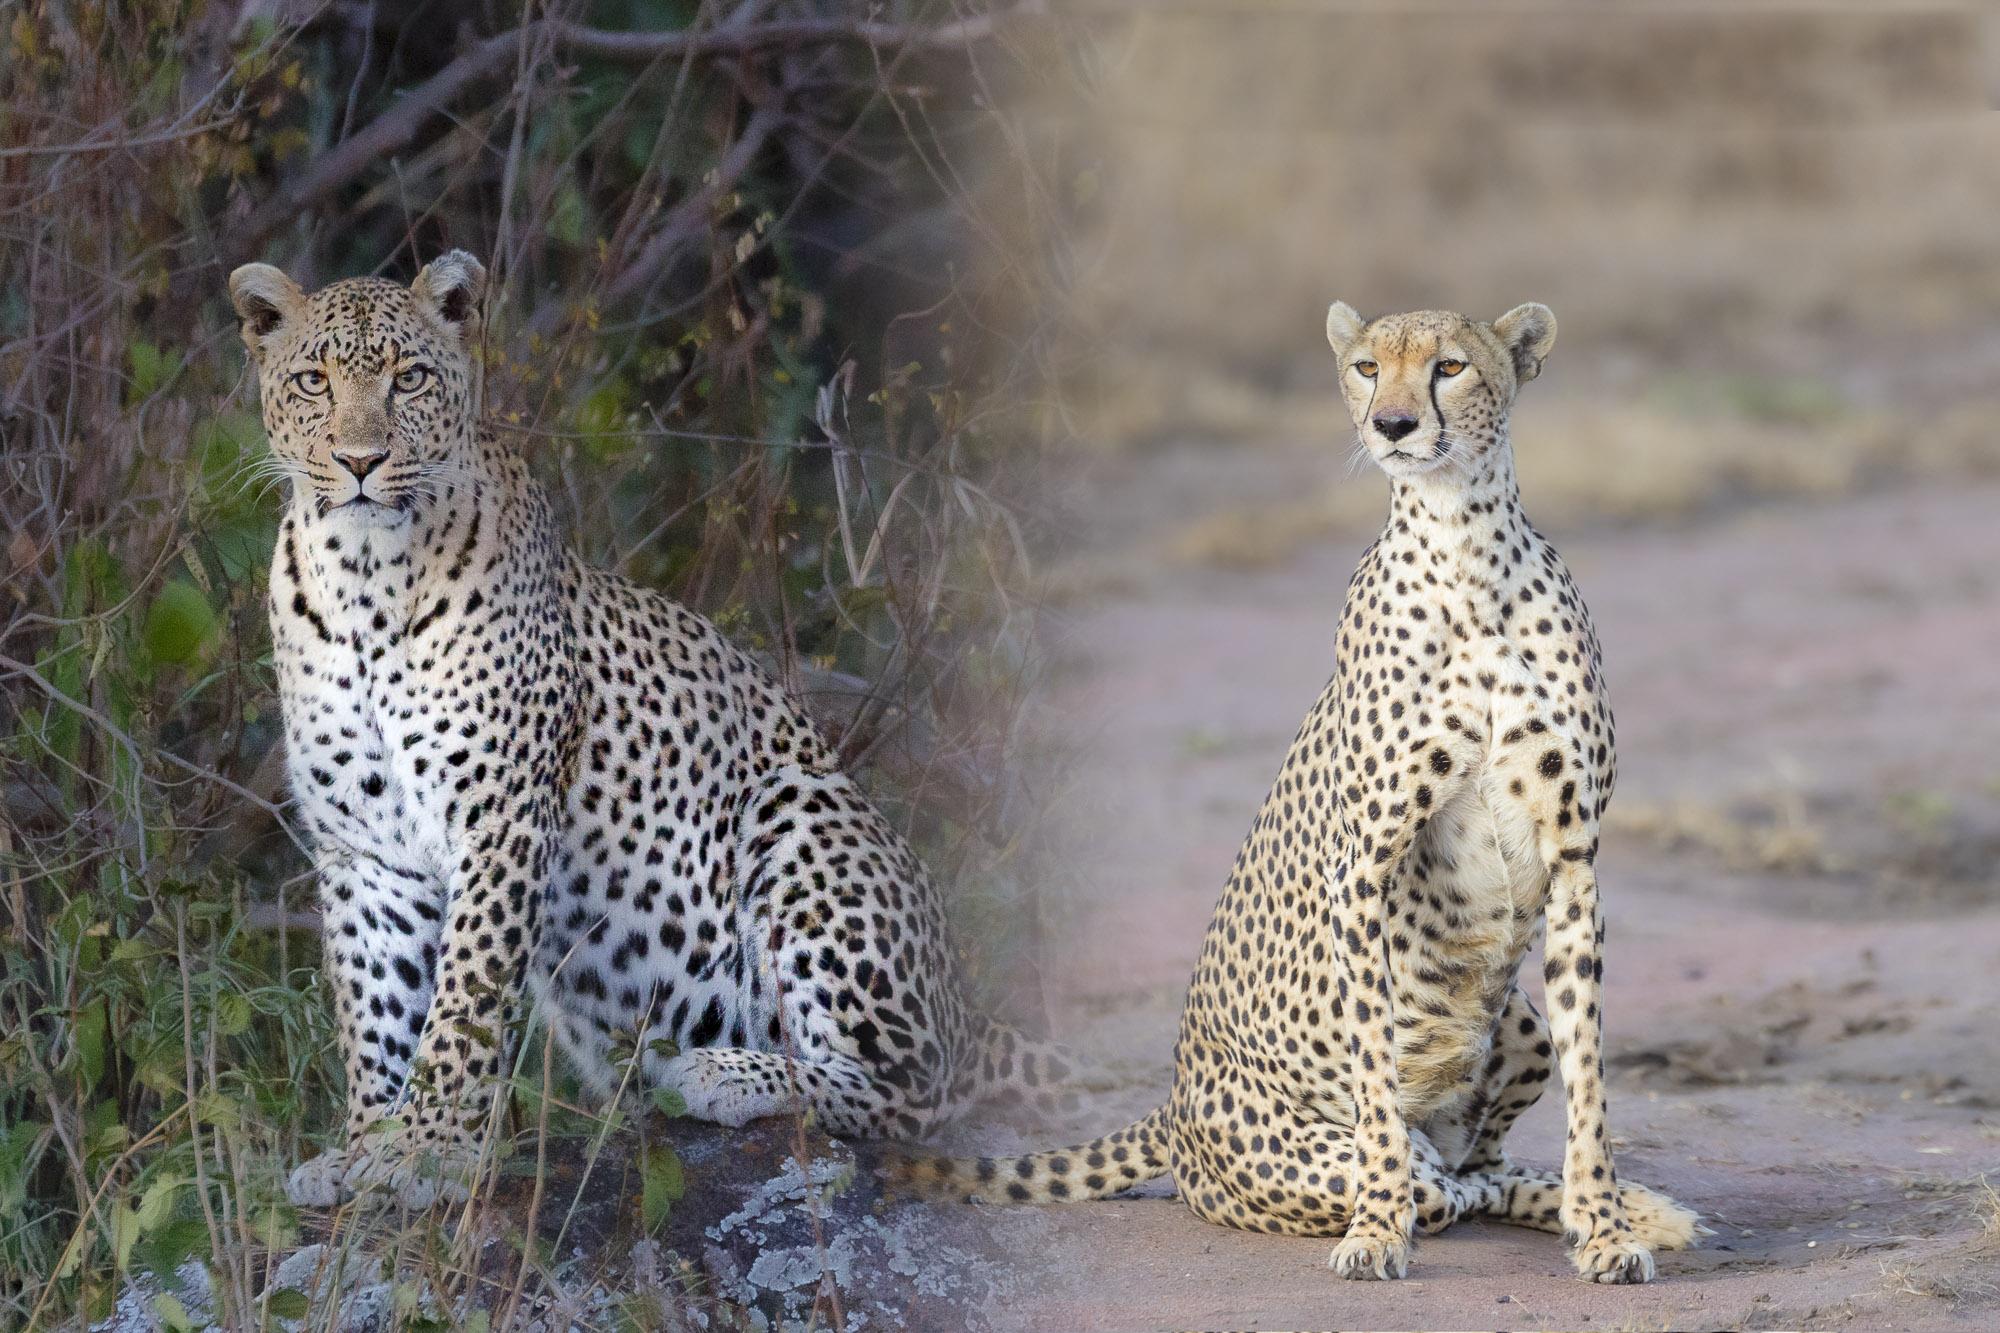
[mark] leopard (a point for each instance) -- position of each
(531, 786)
(1357, 1040)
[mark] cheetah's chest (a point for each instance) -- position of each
(1473, 889)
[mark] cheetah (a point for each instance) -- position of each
(523, 775)
(1356, 1041)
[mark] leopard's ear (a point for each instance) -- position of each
(450, 286)
(1527, 332)
(265, 300)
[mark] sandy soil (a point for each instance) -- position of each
(1804, 955)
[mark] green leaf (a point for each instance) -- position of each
(232, 1014)
(89, 1038)
(669, 1101)
(179, 624)
(157, 1202)
(289, 1303)
(151, 369)
(171, 1312)
(568, 217)
(124, 1234)
(664, 1184)
(172, 1245)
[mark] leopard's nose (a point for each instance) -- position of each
(360, 462)
(1394, 428)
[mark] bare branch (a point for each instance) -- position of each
(396, 128)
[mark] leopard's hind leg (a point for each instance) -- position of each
(846, 975)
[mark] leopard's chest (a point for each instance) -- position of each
(372, 730)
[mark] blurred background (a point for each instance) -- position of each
(1767, 443)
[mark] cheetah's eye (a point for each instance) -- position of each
(412, 379)
(1447, 368)
(311, 383)
(1367, 369)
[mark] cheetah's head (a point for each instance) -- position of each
(1431, 390)
(369, 388)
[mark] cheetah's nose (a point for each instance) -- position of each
(360, 462)
(1394, 428)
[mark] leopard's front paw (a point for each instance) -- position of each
(714, 1090)
(396, 1171)
(1371, 1256)
(1614, 1257)
(321, 1182)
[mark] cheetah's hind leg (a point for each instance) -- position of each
(1534, 1199)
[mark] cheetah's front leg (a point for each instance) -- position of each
(489, 930)
(1373, 842)
(1383, 1218)
(1593, 1215)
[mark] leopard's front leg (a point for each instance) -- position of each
(490, 922)
(380, 925)
(1593, 1215)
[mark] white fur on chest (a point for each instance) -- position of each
(353, 703)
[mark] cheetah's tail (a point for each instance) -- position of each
(1095, 1170)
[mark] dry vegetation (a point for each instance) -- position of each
(1764, 232)
(763, 319)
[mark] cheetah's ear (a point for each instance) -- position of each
(1528, 332)
(264, 299)
(451, 285)
(1343, 325)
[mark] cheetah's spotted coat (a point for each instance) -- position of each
(516, 767)
(1356, 1043)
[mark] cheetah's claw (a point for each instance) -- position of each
(1614, 1259)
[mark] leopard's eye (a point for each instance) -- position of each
(1367, 369)
(412, 379)
(311, 383)
(1447, 368)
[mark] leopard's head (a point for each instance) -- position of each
(370, 389)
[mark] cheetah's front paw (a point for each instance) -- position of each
(1659, 1222)
(1614, 1257)
(1371, 1256)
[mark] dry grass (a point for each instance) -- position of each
(1775, 836)
(1766, 239)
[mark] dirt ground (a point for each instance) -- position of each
(1800, 882)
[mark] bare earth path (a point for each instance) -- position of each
(1804, 953)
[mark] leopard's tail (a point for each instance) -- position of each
(1095, 1170)
(1010, 1066)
